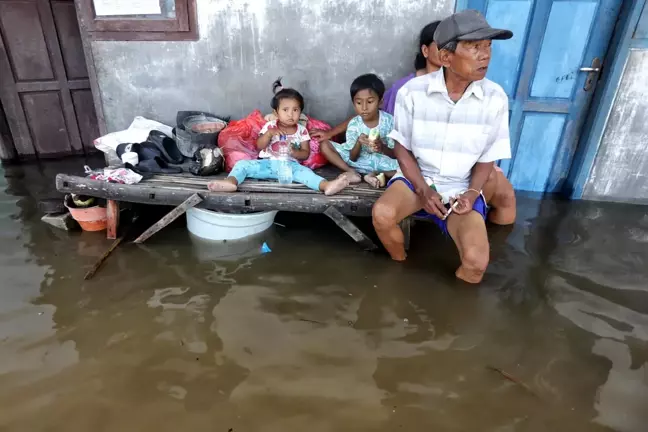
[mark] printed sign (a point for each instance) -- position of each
(127, 7)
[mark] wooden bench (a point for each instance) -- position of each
(252, 196)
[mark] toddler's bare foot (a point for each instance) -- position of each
(222, 186)
(334, 186)
(353, 176)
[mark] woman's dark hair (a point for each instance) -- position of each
(426, 38)
(368, 82)
(281, 93)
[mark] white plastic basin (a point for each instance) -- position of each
(213, 225)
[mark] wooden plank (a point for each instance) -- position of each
(54, 47)
(270, 187)
(69, 35)
(170, 217)
(43, 86)
(11, 103)
(47, 123)
(86, 118)
(350, 228)
(113, 219)
(24, 35)
(258, 185)
(144, 193)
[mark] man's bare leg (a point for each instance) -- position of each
(499, 194)
(469, 234)
(327, 149)
(397, 203)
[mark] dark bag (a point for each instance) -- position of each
(207, 161)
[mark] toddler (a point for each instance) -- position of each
(287, 105)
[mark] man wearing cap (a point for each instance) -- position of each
(451, 126)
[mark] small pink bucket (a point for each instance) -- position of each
(91, 218)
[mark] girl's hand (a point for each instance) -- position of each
(364, 141)
(274, 131)
(321, 135)
(377, 145)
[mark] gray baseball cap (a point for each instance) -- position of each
(467, 25)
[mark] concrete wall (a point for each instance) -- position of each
(319, 46)
(620, 171)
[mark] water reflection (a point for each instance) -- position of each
(183, 334)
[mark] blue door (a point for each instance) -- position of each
(546, 70)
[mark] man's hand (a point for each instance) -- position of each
(321, 135)
(432, 202)
(463, 204)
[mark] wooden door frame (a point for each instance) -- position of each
(86, 41)
(7, 149)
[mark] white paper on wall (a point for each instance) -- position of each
(127, 7)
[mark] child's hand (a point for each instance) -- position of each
(274, 131)
(377, 145)
(320, 135)
(364, 141)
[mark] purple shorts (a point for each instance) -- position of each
(479, 206)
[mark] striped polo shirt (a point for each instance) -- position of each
(448, 138)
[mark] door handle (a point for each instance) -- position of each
(592, 73)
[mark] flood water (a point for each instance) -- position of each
(182, 335)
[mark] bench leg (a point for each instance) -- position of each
(113, 219)
(350, 228)
(406, 226)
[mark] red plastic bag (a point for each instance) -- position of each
(238, 139)
(316, 159)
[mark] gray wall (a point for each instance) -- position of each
(620, 171)
(319, 46)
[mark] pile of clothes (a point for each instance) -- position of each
(147, 147)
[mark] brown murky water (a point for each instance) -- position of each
(181, 335)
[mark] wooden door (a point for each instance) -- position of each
(544, 71)
(44, 85)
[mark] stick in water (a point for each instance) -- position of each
(513, 379)
(103, 258)
(170, 217)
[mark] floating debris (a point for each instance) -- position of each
(310, 321)
(513, 379)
